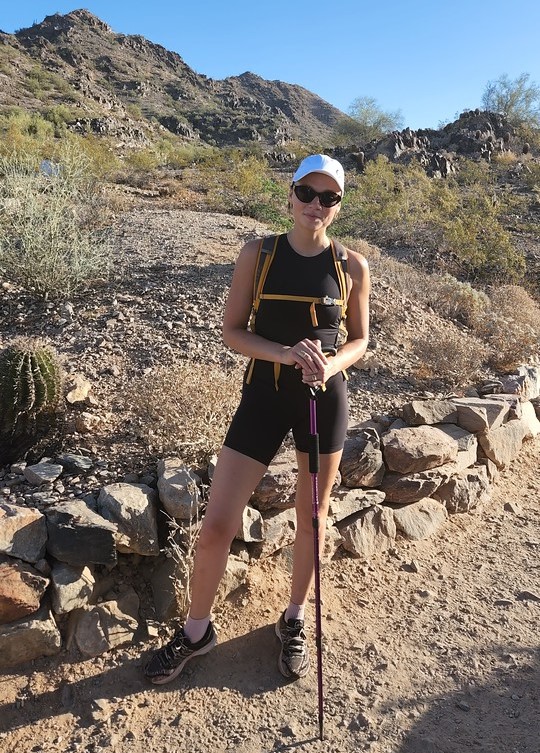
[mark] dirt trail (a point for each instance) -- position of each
(431, 649)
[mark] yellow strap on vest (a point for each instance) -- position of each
(342, 279)
(260, 279)
(250, 371)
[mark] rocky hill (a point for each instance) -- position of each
(130, 88)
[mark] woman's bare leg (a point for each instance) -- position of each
(235, 478)
(303, 565)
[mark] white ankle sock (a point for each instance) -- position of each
(195, 629)
(295, 611)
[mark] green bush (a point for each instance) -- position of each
(400, 205)
(394, 204)
(49, 238)
(25, 132)
(481, 246)
(240, 183)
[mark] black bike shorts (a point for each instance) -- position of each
(265, 416)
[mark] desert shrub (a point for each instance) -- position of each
(40, 82)
(479, 243)
(474, 173)
(185, 155)
(146, 159)
(397, 204)
(449, 356)
(49, 241)
(361, 246)
(457, 300)
(134, 111)
(505, 159)
(242, 184)
(25, 132)
(531, 176)
(529, 134)
(400, 205)
(404, 278)
(98, 154)
(59, 116)
(185, 409)
(511, 327)
(182, 539)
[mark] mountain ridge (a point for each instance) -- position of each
(111, 75)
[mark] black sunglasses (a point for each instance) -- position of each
(306, 194)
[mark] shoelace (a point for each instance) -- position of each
(293, 641)
(175, 648)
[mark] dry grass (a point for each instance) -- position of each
(185, 409)
(453, 357)
(181, 543)
(511, 327)
(402, 277)
(457, 300)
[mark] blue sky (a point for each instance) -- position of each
(428, 59)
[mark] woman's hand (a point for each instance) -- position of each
(308, 356)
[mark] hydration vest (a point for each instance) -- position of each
(265, 257)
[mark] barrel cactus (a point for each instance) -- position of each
(30, 395)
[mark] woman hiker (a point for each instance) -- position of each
(295, 342)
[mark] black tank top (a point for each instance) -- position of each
(288, 322)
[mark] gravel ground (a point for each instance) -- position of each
(433, 648)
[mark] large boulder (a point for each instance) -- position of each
(107, 625)
(369, 532)
(276, 490)
(465, 491)
(72, 587)
(23, 532)
(29, 638)
(476, 414)
(346, 502)
(419, 412)
(503, 445)
(420, 519)
(79, 536)
(133, 509)
(415, 449)
(178, 489)
(21, 589)
(362, 460)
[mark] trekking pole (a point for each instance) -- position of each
(314, 470)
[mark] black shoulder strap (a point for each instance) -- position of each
(341, 255)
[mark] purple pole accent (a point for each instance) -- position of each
(314, 469)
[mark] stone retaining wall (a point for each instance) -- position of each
(73, 565)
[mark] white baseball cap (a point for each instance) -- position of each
(321, 163)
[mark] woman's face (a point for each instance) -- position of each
(314, 216)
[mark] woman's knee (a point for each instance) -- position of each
(215, 533)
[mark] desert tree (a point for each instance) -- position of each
(518, 99)
(367, 121)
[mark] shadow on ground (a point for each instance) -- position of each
(245, 664)
(502, 716)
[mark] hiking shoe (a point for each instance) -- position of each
(293, 659)
(169, 661)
